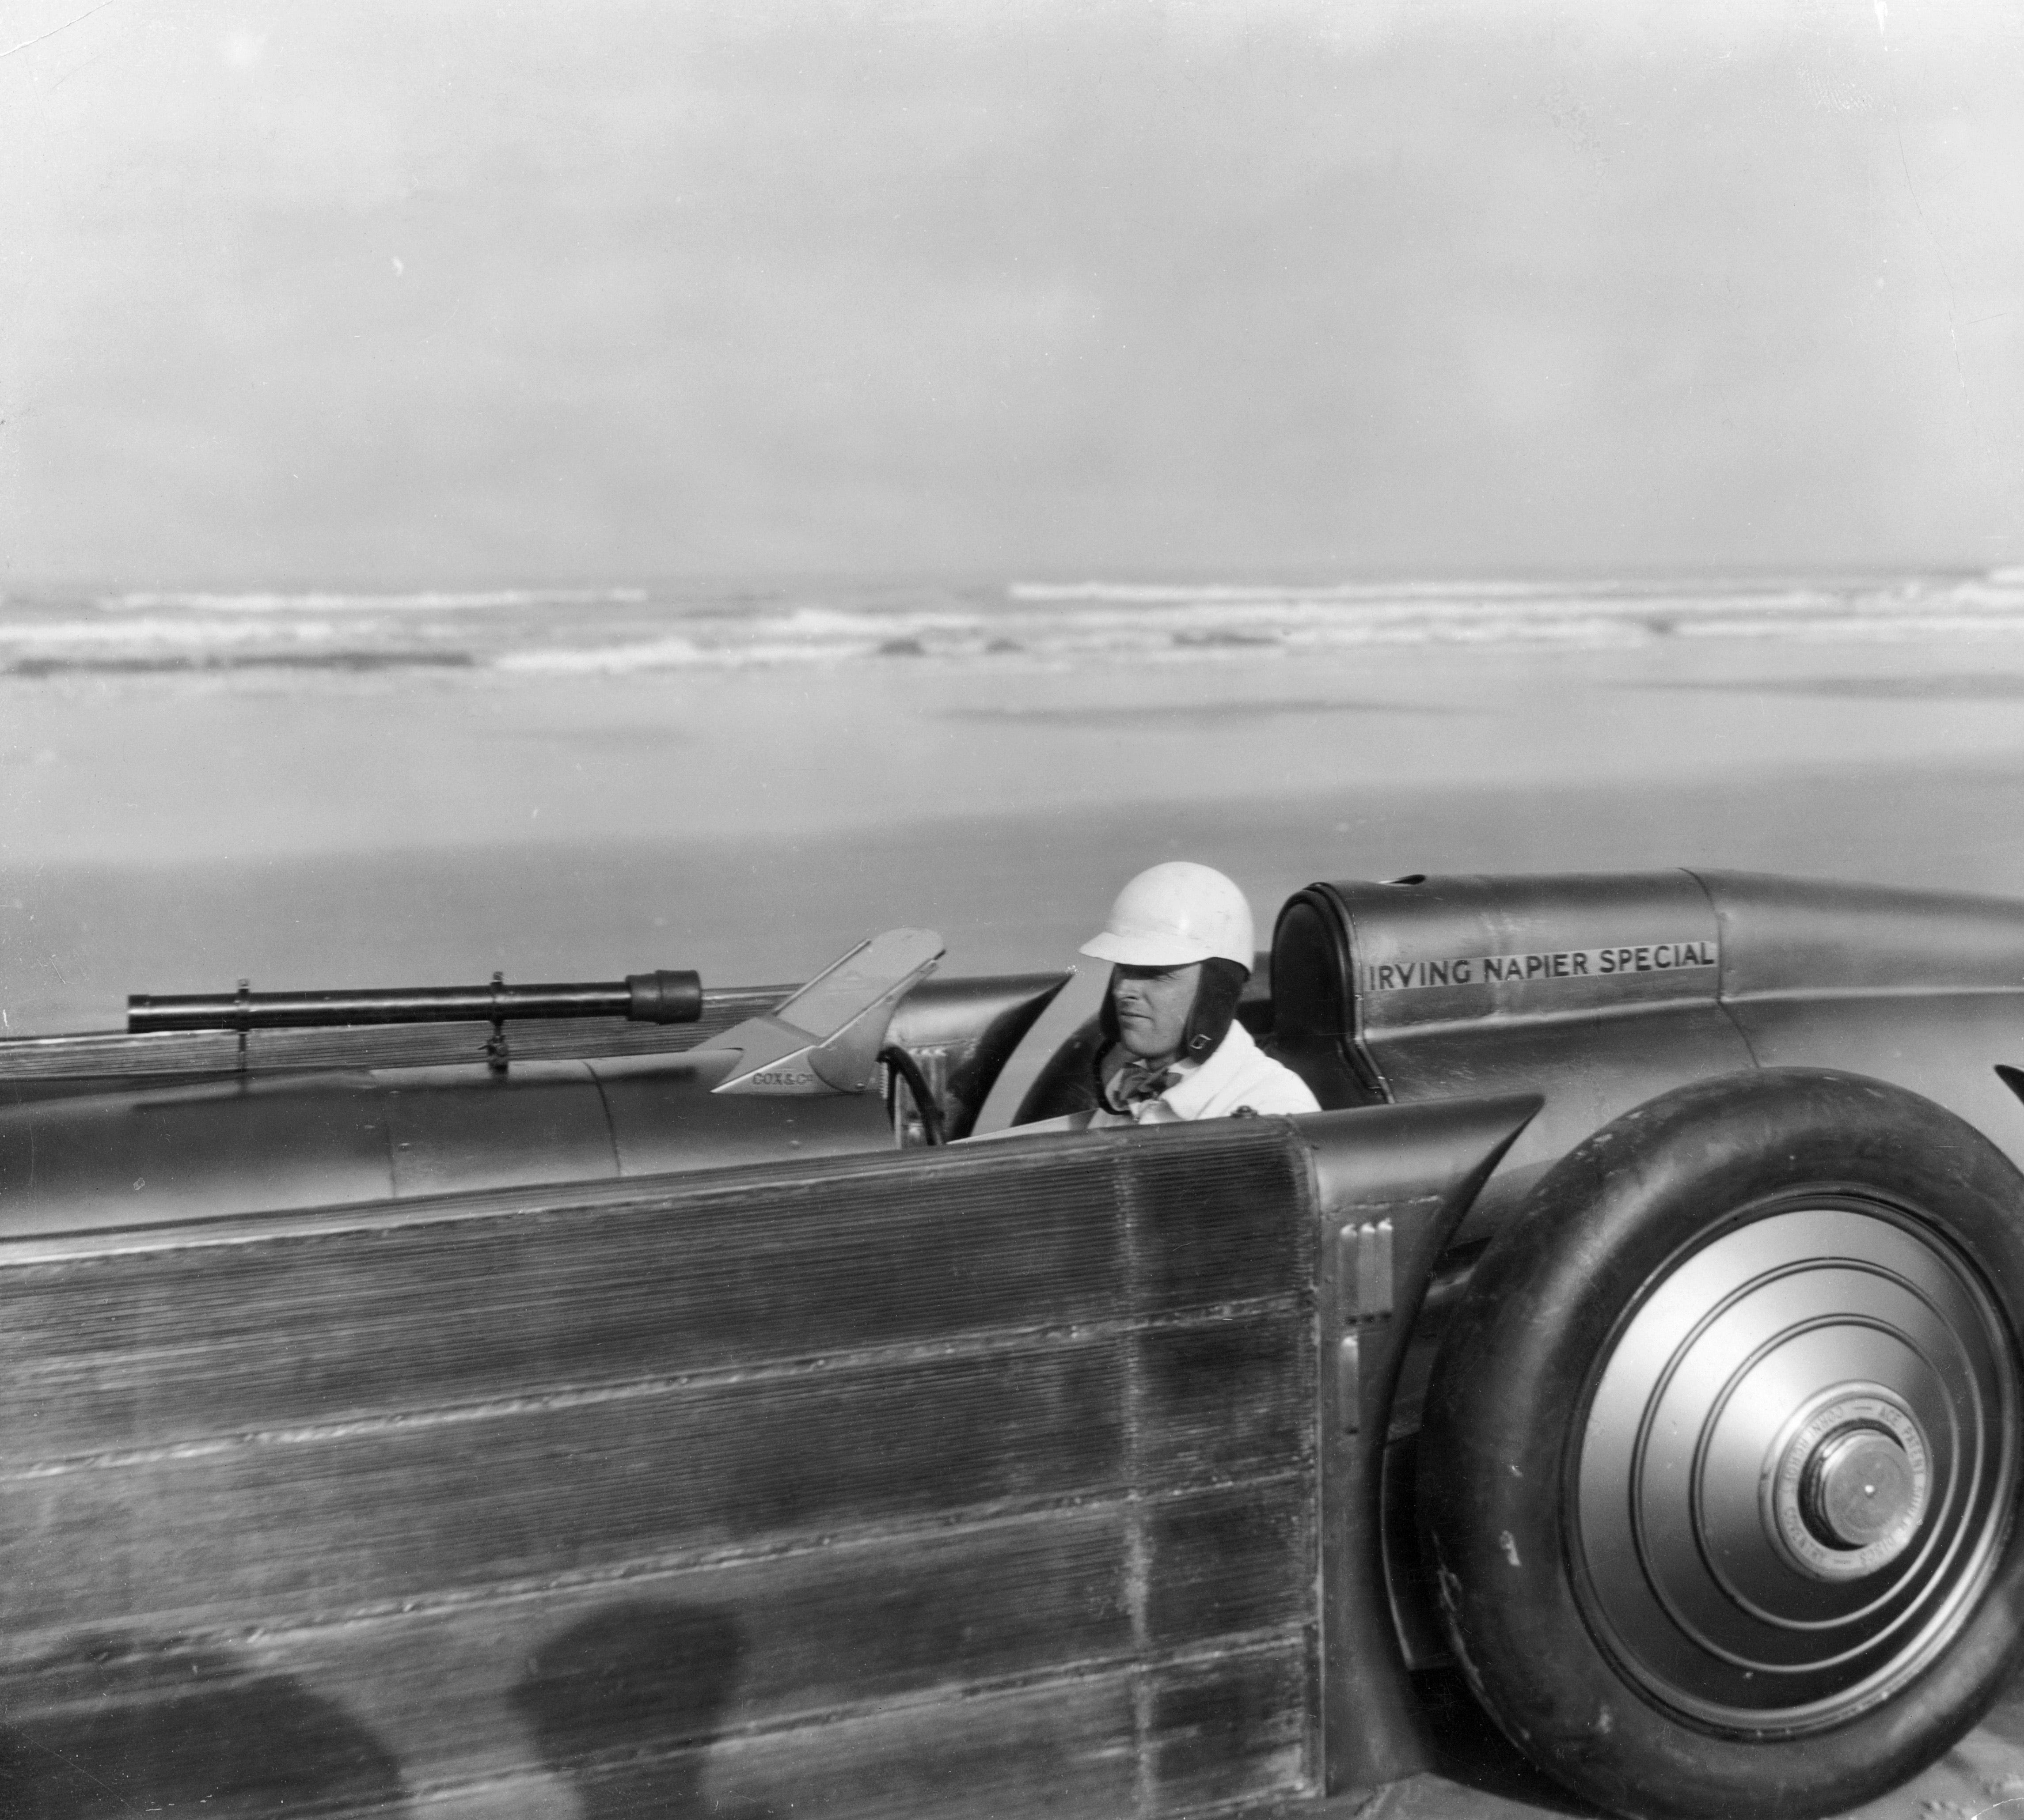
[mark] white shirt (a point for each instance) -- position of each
(1237, 1076)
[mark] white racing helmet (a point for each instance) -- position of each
(1173, 914)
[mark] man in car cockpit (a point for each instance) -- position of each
(1180, 938)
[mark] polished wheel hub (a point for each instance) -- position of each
(1847, 1488)
(1798, 1462)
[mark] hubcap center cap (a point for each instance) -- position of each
(1856, 1487)
(1848, 1486)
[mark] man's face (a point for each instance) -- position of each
(1153, 1004)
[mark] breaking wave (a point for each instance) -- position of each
(624, 632)
(494, 599)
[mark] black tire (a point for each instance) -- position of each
(1719, 1469)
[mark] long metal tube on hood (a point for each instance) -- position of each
(662, 997)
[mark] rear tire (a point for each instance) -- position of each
(1720, 1464)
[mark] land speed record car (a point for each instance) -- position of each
(467, 1400)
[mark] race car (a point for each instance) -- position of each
(468, 1400)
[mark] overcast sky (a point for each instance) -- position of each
(399, 292)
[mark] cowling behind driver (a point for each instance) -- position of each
(1180, 938)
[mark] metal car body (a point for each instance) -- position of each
(388, 1432)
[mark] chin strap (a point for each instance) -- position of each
(1215, 1007)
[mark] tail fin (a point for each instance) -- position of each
(825, 1037)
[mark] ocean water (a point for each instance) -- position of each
(584, 632)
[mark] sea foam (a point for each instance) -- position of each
(533, 632)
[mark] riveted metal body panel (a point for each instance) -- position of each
(267, 1144)
(1597, 992)
(182, 1153)
(663, 1117)
(86, 1150)
(1923, 989)
(1601, 992)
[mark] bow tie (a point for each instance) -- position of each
(1137, 1082)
